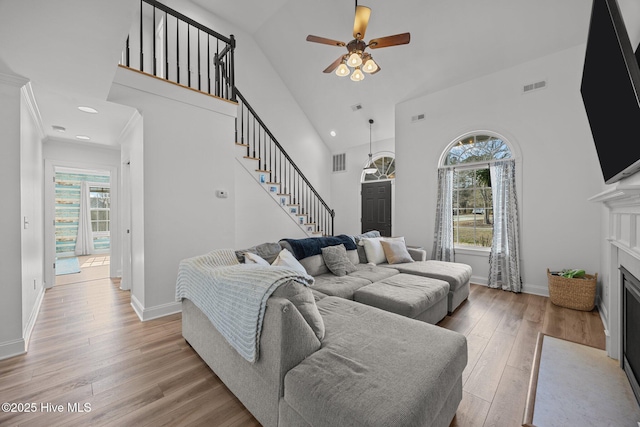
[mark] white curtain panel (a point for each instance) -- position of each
(443, 234)
(84, 240)
(504, 261)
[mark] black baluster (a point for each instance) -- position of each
(166, 46)
(178, 50)
(127, 53)
(141, 40)
(188, 55)
(199, 74)
(154, 42)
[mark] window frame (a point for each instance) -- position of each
(91, 209)
(472, 167)
(515, 155)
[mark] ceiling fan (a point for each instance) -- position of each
(356, 57)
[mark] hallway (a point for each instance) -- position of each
(92, 267)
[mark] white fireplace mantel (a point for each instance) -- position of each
(623, 248)
(624, 194)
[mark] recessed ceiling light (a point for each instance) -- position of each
(59, 128)
(332, 133)
(88, 109)
(83, 137)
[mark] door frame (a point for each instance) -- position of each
(115, 267)
(393, 200)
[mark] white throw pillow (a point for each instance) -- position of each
(251, 258)
(373, 250)
(286, 259)
(396, 251)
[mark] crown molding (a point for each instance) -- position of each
(32, 105)
(13, 80)
(131, 124)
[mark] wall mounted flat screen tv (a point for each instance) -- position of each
(610, 85)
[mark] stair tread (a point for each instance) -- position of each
(263, 170)
(241, 144)
(251, 158)
(284, 194)
(273, 183)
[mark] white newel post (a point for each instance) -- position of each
(623, 248)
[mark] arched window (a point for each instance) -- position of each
(470, 157)
(386, 169)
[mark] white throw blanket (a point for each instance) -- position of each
(233, 296)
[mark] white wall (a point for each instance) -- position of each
(346, 186)
(187, 155)
(559, 168)
(132, 184)
(32, 206)
(11, 339)
(270, 97)
(259, 218)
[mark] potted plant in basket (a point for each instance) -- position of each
(572, 288)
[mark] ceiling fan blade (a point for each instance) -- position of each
(316, 39)
(361, 21)
(334, 65)
(395, 40)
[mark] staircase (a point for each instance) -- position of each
(271, 166)
(168, 45)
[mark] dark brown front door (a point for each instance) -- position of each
(376, 207)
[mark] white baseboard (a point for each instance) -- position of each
(479, 280)
(526, 288)
(155, 312)
(137, 307)
(535, 289)
(12, 348)
(26, 334)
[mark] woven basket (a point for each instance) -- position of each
(577, 294)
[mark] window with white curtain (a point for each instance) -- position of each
(469, 157)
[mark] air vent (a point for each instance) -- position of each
(534, 86)
(417, 118)
(339, 162)
(356, 107)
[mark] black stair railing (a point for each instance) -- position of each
(169, 45)
(274, 161)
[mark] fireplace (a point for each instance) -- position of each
(630, 359)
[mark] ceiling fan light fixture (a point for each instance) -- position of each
(357, 75)
(342, 70)
(355, 60)
(370, 66)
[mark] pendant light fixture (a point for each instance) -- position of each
(371, 167)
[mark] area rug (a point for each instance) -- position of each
(576, 385)
(67, 266)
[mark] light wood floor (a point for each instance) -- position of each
(88, 346)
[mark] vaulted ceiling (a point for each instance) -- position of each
(451, 42)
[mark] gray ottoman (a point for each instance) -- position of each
(417, 297)
(458, 276)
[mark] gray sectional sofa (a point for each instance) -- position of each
(379, 363)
